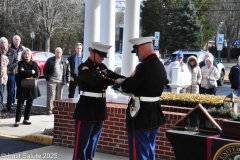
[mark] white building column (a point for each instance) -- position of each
(107, 31)
(131, 30)
(107, 36)
(91, 25)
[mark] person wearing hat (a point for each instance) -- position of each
(74, 61)
(183, 66)
(146, 84)
(93, 77)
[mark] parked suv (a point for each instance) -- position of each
(200, 56)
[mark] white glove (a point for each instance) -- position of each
(120, 80)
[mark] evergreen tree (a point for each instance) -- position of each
(158, 15)
(187, 28)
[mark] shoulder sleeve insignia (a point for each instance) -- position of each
(84, 68)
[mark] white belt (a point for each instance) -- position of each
(92, 94)
(149, 99)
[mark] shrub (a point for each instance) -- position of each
(213, 104)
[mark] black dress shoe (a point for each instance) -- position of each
(27, 123)
(16, 124)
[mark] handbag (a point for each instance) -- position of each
(29, 82)
(210, 82)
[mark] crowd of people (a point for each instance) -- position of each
(92, 77)
(201, 73)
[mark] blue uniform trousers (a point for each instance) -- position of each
(142, 144)
(87, 135)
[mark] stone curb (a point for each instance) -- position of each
(36, 138)
(39, 138)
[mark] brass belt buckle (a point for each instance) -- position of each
(133, 108)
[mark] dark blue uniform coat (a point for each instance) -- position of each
(148, 81)
(95, 78)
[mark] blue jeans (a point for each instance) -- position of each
(208, 91)
(10, 90)
(236, 92)
(1, 96)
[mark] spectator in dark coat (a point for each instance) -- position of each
(234, 78)
(26, 68)
(18, 49)
(74, 61)
(57, 74)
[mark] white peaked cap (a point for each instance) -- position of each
(141, 40)
(100, 46)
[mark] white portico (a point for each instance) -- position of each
(100, 26)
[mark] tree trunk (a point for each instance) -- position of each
(47, 43)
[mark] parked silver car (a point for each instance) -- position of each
(200, 56)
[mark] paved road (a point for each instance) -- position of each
(222, 90)
(42, 86)
(11, 145)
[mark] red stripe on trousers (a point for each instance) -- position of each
(77, 138)
(134, 149)
(209, 146)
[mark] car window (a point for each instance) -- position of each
(40, 56)
(48, 55)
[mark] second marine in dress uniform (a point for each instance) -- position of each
(146, 83)
(91, 110)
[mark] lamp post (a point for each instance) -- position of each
(32, 35)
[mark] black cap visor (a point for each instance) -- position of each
(101, 54)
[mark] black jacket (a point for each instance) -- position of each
(148, 81)
(93, 78)
(19, 49)
(13, 60)
(24, 93)
(234, 77)
(49, 68)
(71, 60)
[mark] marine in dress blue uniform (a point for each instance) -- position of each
(147, 84)
(91, 110)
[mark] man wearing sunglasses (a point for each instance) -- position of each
(93, 77)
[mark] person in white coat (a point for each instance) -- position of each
(196, 75)
(183, 68)
(209, 72)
